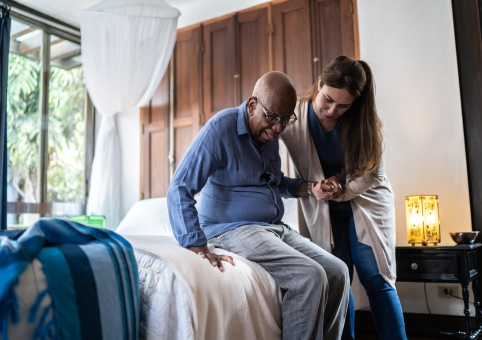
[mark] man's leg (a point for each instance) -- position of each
(338, 282)
(303, 281)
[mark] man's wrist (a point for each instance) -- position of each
(197, 249)
(308, 188)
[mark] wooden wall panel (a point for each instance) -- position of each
(252, 50)
(217, 63)
(292, 42)
(182, 139)
(187, 89)
(159, 162)
(155, 143)
(219, 66)
(292, 51)
(333, 33)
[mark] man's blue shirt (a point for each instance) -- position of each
(241, 181)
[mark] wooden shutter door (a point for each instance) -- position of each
(292, 42)
(292, 52)
(187, 87)
(334, 31)
(155, 143)
(219, 66)
(252, 50)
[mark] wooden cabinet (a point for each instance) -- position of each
(252, 50)
(445, 264)
(155, 142)
(292, 48)
(219, 66)
(333, 31)
(216, 64)
(187, 94)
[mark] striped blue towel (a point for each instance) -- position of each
(92, 280)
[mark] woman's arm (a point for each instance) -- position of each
(359, 185)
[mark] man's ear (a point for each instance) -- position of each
(251, 106)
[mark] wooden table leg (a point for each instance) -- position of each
(478, 312)
(465, 294)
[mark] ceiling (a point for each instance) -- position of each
(68, 10)
(26, 40)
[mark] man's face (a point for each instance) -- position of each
(262, 131)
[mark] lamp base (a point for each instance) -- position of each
(423, 244)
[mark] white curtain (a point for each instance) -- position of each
(126, 47)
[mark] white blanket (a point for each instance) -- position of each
(184, 297)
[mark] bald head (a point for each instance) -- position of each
(276, 90)
(274, 102)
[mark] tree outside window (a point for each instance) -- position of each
(53, 141)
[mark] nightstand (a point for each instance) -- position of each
(444, 264)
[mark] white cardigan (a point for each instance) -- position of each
(370, 196)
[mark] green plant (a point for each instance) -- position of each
(65, 131)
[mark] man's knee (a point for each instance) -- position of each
(339, 271)
(313, 274)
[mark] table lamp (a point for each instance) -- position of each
(423, 223)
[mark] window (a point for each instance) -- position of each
(46, 125)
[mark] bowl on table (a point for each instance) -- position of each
(464, 237)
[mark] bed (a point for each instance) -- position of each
(183, 297)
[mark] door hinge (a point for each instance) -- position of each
(201, 119)
(142, 129)
(269, 28)
(352, 7)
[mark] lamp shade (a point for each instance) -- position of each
(422, 215)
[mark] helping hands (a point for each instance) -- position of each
(215, 259)
(328, 189)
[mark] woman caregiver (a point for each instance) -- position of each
(339, 137)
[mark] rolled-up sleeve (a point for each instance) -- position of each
(203, 158)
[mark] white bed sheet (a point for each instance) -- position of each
(184, 297)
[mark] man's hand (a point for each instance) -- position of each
(328, 189)
(338, 188)
(213, 258)
(322, 190)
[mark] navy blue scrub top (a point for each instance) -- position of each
(328, 147)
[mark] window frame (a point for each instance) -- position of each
(51, 26)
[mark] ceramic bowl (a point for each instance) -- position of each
(465, 237)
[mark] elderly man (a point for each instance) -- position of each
(235, 161)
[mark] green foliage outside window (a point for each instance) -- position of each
(65, 130)
(65, 175)
(23, 125)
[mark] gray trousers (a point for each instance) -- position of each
(315, 284)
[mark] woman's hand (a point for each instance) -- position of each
(338, 188)
(322, 190)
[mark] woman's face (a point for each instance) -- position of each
(330, 104)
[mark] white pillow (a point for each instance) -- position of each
(147, 217)
(150, 217)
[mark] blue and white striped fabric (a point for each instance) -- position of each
(92, 280)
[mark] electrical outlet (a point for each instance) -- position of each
(448, 290)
